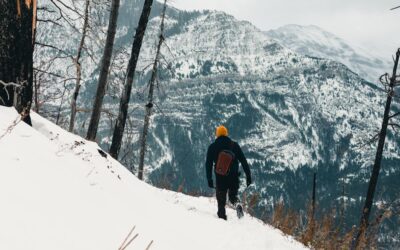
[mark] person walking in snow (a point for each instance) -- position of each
(224, 155)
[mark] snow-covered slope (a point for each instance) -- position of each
(313, 41)
(292, 114)
(59, 192)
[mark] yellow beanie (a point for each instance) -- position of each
(221, 131)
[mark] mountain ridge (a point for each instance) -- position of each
(314, 41)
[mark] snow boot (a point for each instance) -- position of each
(222, 215)
(239, 210)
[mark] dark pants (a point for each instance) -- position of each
(226, 185)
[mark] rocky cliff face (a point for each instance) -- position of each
(292, 114)
(313, 41)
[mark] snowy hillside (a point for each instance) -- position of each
(313, 41)
(292, 114)
(59, 192)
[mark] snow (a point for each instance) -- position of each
(58, 192)
(312, 40)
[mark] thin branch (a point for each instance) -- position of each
(45, 9)
(48, 21)
(384, 80)
(373, 139)
(392, 116)
(148, 247)
(159, 109)
(165, 59)
(145, 68)
(129, 242)
(127, 237)
(395, 8)
(393, 125)
(12, 84)
(49, 73)
(105, 111)
(61, 13)
(51, 46)
(169, 49)
(67, 7)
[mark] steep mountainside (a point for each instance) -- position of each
(313, 41)
(293, 114)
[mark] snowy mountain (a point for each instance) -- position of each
(292, 114)
(313, 41)
(60, 192)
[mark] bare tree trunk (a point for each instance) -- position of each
(104, 70)
(79, 68)
(308, 236)
(149, 106)
(17, 24)
(126, 94)
(36, 87)
(312, 219)
(343, 208)
(313, 196)
(61, 103)
(378, 158)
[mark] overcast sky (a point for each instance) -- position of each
(368, 23)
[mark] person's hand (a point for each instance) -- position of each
(210, 183)
(248, 180)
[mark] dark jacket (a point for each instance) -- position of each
(225, 143)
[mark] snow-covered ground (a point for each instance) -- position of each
(58, 192)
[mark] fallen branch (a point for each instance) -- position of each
(12, 126)
(126, 238)
(148, 247)
(129, 242)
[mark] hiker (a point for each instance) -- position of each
(225, 154)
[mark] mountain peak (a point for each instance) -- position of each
(312, 40)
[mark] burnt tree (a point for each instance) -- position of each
(150, 105)
(17, 29)
(78, 66)
(390, 83)
(104, 70)
(126, 93)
